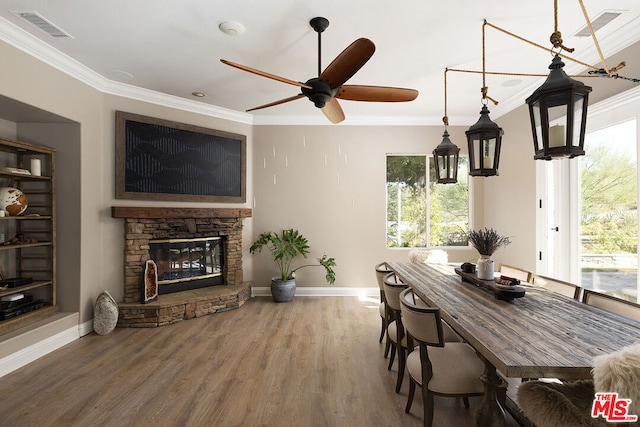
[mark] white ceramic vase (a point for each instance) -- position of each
(485, 267)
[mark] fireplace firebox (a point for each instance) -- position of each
(185, 264)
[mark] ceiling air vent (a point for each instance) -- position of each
(38, 21)
(599, 22)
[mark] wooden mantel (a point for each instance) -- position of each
(155, 213)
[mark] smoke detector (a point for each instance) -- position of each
(232, 28)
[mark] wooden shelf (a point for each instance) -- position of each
(23, 176)
(25, 319)
(39, 264)
(26, 245)
(20, 289)
(25, 218)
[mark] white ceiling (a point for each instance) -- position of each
(174, 47)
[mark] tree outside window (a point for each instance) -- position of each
(409, 204)
(609, 211)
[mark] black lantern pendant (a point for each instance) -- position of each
(484, 139)
(558, 111)
(445, 156)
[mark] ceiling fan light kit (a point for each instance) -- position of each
(325, 90)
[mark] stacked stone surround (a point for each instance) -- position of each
(144, 224)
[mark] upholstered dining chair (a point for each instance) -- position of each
(395, 330)
(560, 286)
(516, 272)
(438, 367)
(382, 270)
(613, 304)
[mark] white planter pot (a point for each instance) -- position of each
(485, 267)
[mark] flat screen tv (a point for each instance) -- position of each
(164, 160)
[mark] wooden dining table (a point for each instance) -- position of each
(540, 335)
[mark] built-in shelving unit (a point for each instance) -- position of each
(33, 256)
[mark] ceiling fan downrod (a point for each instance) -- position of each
(319, 24)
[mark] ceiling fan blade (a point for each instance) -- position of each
(348, 62)
(333, 111)
(263, 74)
(376, 93)
(282, 101)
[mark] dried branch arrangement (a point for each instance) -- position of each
(487, 241)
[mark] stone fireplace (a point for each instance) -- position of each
(144, 226)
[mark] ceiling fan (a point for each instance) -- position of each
(325, 90)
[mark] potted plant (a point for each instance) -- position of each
(486, 242)
(285, 248)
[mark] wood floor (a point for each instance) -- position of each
(313, 362)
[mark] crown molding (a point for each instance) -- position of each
(31, 45)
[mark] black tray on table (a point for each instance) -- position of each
(502, 292)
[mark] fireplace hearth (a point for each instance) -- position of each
(201, 272)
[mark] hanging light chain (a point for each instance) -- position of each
(485, 89)
(556, 36)
(445, 119)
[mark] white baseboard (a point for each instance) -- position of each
(85, 328)
(28, 354)
(322, 291)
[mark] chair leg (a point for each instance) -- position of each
(401, 363)
(382, 330)
(387, 346)
(465, 400)
(427, 399)
(412, 391)
(392, 357)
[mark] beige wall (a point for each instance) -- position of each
(510, 198)
(329, 183)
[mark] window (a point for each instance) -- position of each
(609, 211)
(409, 205)
(588, 214)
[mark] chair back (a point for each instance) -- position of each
(423, 323)
(392, 288)
(382, 270)
(565, 288)
(516, 272)
(613, 304)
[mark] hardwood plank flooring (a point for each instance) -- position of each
(313, 362)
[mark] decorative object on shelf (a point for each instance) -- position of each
(150, 293)
(15, 170)
(486, 241)
(36, 167)
(284, 249)
(105, 315)
(446, 153)
(20, 239)
(13, 201)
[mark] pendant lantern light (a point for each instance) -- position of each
(484, 138)
(446, 153)
(558, 109)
